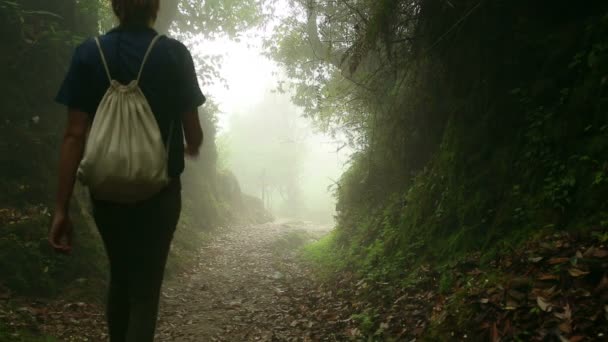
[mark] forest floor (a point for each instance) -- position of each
(250, 285)
(245, 287)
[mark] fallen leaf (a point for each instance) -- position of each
(565, 327)
(400, 299)
(566, 315)
(535, 260)
(600, 253)
(548, 277)
(475, 271)
(577, 338)
(589, 252)
(556, 261)
(545, 293)
(575, 272)
(511, 305)
(543, 304)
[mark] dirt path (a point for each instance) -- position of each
(247, 286)
(242, 289)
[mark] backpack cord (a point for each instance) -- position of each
(103, 60)
(141, 69)
(143, 63)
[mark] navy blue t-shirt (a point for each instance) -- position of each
(168, 80)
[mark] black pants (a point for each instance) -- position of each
(137, 239)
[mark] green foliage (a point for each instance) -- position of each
(446, 282)
(293, 242)
(366, 321)
(30, 267)
(39, 40)
(461, 146)
(8, 335)
(215, 18)
(325, 255)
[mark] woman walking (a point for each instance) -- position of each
(138, 230)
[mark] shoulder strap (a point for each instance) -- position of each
(103, 59)
(143, 63)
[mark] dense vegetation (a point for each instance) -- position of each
(476, 124)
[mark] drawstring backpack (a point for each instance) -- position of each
(125, 159)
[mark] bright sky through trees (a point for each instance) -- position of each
(249, 78)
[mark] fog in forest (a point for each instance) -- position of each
(276, 154)
(371, 170)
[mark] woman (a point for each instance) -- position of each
(137, 236)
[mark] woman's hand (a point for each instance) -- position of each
(60, 234)
(190, 151)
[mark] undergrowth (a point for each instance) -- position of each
(7, 335)
(30, 266)
(528, 162)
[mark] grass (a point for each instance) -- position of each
(292, 241)
(8, 335)
(324, 256)
(31, 268)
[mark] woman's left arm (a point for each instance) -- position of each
(72, 149)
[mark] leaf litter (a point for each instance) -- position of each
(554, 289)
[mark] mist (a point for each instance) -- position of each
(276, 156)
(306, 170)
(275, 152)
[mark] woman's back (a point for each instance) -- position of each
(168, 79)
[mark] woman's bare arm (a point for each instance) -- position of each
(72, 149)
(192, 132)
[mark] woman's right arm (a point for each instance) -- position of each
(192, 132)
(190, 98)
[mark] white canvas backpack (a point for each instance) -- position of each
(125, 158)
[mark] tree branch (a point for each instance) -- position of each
(321, 50)
(354, 9)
